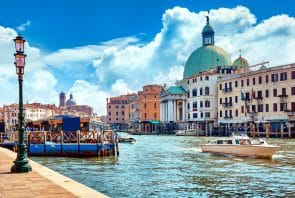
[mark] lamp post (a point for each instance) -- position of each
(21, 164)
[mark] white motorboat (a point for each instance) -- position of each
(240, 145)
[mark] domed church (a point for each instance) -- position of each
(207, 57)
(192, 103)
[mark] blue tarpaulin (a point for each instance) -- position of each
(71, 123)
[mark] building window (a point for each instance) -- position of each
(195, 105)
(117, 119)
(220, 86)
(275, 107)
(283, 76)
(248, 82)
(293, 106)
(242, 109)
(242, 83)
(259, 79)
(145, 105)
(117, 113)
(201, 91)
(155, 115)
(117, 106)
(236, 99)
(110, 106)
(201, 78)
(188, 106)
(195, 115)
(201, 114)
(274, 78)
(123, 107)
(266, 79)
(220, 114)
(188, 116)
(236, 83)
(110, 113)
(188, 94)
(206, 77)
(123, 113)
(253, 108)
(266, 93)
(266, 107)
(194, 92)
(110, 119)
(144, 115)
(207, 114)
(259, 94)
(284, 92)
(237, 113)
(253, 81)
(283, 106)
(293, 74)
(187, 81)
(260, 108)
(206, 91)
(207, 103)
(201, 103)
(275, 92)
(155, 105)
(220, 100)
(293, 90)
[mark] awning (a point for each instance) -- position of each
(152, 121)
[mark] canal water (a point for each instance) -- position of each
(173, 166)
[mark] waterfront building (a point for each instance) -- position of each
(261, 101)
(118, 112)
(147, 108)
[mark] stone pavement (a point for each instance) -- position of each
(41, 182)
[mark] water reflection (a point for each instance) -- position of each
(170, 166)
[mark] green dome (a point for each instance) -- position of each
(241, 62)
(205, 58)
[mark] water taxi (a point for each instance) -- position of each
(240, 145)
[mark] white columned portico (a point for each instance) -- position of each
(170, 108)
(183, 110)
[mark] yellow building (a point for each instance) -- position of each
(261, 102)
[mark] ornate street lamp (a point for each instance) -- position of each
(21, 164)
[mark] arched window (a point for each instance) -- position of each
(194, 92)
(206, 90)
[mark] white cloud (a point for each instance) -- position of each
(23, 26)
(86, 93)
(126, 64)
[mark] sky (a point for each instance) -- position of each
(96, 49)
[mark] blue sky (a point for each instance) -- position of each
(101, 48)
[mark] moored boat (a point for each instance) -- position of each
(240, 146)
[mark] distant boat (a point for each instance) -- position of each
(186, 133)
(240, 146)
(126, 140)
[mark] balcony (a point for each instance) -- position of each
(289, 112)
(252, 114)
(283, 97)
(227, 105)
(227, 90)
(259, 99)
(228, 117)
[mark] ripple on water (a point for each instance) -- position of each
(170, 166)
